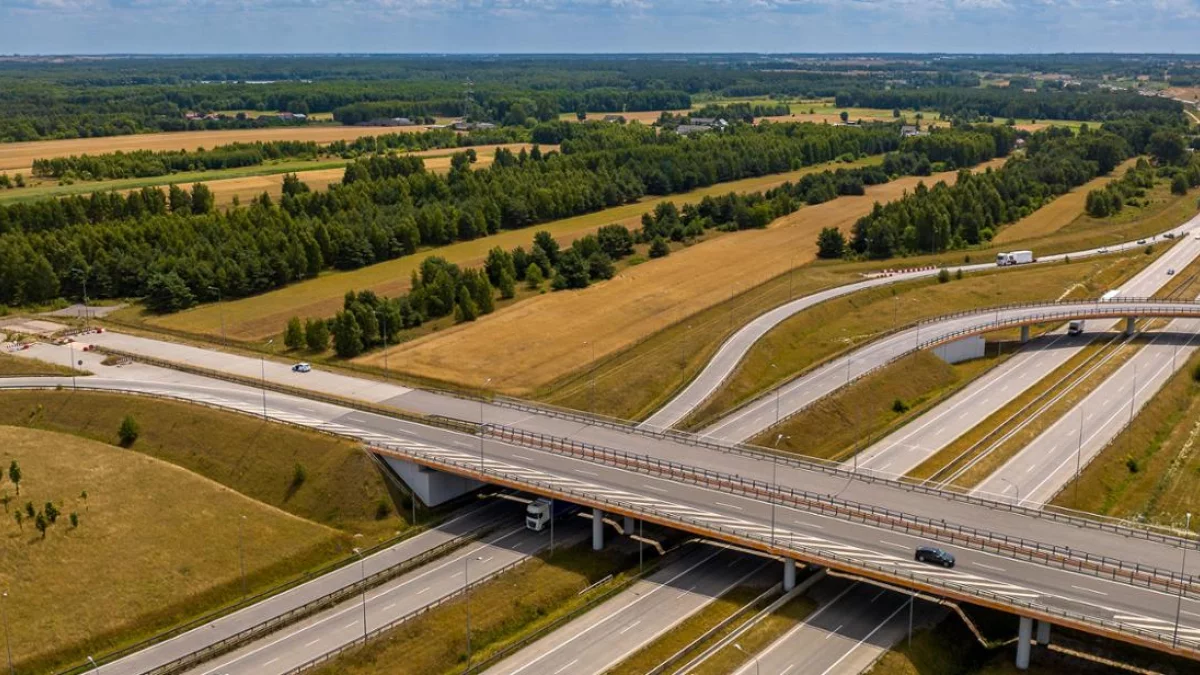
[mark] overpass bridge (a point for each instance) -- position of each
(786, 400)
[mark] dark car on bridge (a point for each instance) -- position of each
(935, 556)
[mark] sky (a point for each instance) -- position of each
(596, 26)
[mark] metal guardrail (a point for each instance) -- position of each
(257, 383)
(1188, 647)
(747, 450)
(308, 609)
(379, 630)
(1055, 317)
(1053, 555)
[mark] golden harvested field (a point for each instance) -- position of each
(249, 187)
(1060, 212)
(151, 537)
(536, 341)
(261, 316)
(19, 156)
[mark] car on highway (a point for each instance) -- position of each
(1141, 241)
(934, 555)
(1170, 271)
(301, 367)
(1102, 250)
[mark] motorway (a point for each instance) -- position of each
(614, 631)
(340, 625)
(167, 651)
(905, 449)
(723, 363)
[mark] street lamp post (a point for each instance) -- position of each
(749, 655)
(94, 664)
(1182, 568)
(216, 290)
(467, 602)
(383, 320)
(774, 482)
(72, 364)
(362, 574)
(1015, 487)
(262, 365)
(485, 384)
(7, 642)
(241, 554)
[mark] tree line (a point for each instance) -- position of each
(146, 163)
(390, 207)
(970, 104)
(977, 205)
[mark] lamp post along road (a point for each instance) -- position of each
(262, 365)
(1182, 567)
(362, 574)
(241, 554)
(485, 384)
(216, 290)
(748, 655)
(7, 640)
(383, 321)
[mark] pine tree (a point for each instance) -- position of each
(293, 336)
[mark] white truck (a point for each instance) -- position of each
(1075, 327)
(1014, 258)
(541, 511)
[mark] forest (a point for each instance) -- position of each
(1007, 102)
(387, 207)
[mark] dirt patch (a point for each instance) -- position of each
(31, 326)
(536, 341)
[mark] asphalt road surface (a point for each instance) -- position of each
(723, 363)
(614, 631)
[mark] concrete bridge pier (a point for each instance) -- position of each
(1043, 633)
(627, 528)
(432, 487)
(789, 574)
(1024, 635)
(597, 529)
(1024, 334)
(1129, 325)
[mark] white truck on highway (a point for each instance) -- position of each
(1014, 258)
(541, 511)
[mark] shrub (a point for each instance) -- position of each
(129, 431)
(299, 475)
(383, 509)
(943, 275)
(659, 248)
(1131, 463)
(899, 406)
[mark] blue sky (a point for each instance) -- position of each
(208, 26)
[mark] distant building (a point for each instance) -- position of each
(685, 129)
(484, 126)
(387, 122)
(908, 131)
(711, 122)
(616, 119)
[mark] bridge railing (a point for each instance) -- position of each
(938, 585)
(1059, 556)
(1047, 317)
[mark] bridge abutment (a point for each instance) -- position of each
(597, 529)
(1024, 636)
(1130, 325)
(432, 487)
(1024, 334)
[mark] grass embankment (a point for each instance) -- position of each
(262, 316)
(845, 423)
(155, 544)
(16, 366)
(1151, 470)
(669, 644)
(538, 341)
(342, 487)
(814, 335)
(503, 610)
(758, 637)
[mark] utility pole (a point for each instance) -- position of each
(242, 554)
(216, 290)
(262, 364)
(7, 642)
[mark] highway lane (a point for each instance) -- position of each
(614, 631)
(723, 363)
(853, 624)
(214, 631)
(1048, 463)
(903, 450)
(340, 625)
